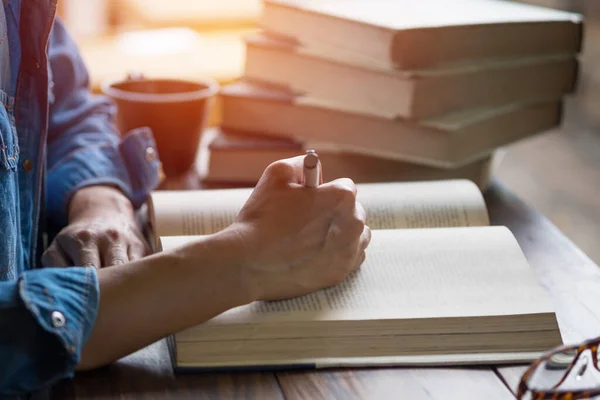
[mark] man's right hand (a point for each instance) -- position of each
(287, 241)
(296, 239)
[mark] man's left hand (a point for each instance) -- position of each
(102, 231)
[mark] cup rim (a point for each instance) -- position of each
(211, 89)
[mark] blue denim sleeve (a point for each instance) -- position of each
(84, 146)
(45, 319)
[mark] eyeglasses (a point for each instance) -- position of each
(563, 373)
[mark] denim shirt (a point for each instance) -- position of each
(55, 138)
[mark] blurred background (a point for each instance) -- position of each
(558, 173)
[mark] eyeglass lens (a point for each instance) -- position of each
(557, 373)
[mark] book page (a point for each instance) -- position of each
(395, 205)
(417, 274)
(198, 212)
(410, 205)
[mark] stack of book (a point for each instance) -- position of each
(395, 90)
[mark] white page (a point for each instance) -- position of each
(199, 212)
(409, 205)
(388, 205)
(424, 273)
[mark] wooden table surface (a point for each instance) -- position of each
(569, 275)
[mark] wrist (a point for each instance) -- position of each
(229, 255)
(98, 198)
(246, 254)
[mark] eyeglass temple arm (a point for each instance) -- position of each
(561, 394)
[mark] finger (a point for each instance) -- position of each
(54, 257)
(137, 251)
(363, 243)
(360, 212)
(360, 260)
(289, 170)
(340, 185)
(86, 256)
(320, 173)
(115, 254)
(365, 239)
(340, 194)
(80, 245)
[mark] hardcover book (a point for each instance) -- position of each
(415, 34)
(438, 286)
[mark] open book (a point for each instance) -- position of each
(439, 286)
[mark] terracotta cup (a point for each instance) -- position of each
(177, 111)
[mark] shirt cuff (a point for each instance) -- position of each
(133, 166)
(64, 302)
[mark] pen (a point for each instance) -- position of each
(311, 169)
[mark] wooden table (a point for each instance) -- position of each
(569, 275)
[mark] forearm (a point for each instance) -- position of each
(84, 146)
(146, 300)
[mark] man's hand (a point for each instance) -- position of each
(296, 239)
(287, 241)
(102, 231)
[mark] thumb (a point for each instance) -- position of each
(289, 170)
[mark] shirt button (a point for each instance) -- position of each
(58, 319)
(150, 154)
(27, 165)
